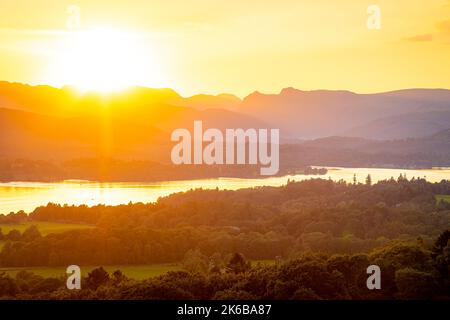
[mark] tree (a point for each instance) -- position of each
(305, 294)
(414, 284)
(31, 233)
(8, 286)
(195, 261)
(441, 255)
(368, 180)
(234, 294)
(14, 235)
(118, 277)
(441, 242)
(238, 264)
(402, 178)
(97, 277)
(47, 285)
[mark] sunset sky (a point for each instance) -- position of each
(201, 46)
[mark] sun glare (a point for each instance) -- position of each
(104, 60)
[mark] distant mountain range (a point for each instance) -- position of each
(49, 123)
(411, 125)
(429, 151)
(299, 114)
(313, 114)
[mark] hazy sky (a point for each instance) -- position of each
(235, 46)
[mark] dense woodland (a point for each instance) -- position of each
(113, 170)
(295, 158)
(409, 271)
(322, 235)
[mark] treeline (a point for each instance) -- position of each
(408, 271)
(113, 170)
(426, 152)
(262, 223)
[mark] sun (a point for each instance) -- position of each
(105, 60)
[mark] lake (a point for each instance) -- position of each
(15, 196)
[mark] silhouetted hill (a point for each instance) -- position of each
(442, 136)
(299, 114)
(139, 134)
(313, 114)
(69, 102)
(34, 136)
(412, 125)
(42, 122)
(430, 151)
(205, 101)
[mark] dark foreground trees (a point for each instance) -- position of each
(320, 236)
(262, 223)
(409, 271)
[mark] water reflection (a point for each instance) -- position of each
(15, 196)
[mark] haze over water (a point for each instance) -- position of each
(15, 196)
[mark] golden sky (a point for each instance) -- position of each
(235, 46)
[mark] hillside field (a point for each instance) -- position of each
(43, 227)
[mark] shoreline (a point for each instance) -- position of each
(218, 177)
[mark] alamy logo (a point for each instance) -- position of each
(74, 279)
(374, 280)
(374, 19)
(229, 148)
(74, 19)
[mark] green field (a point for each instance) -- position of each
(44, 227)
(443, 197)
(138, 272)
(263, 262)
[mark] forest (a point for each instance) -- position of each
(320, 236)
(114, 170)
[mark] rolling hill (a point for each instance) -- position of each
(315, 114)
(411, 125)
(45, 123)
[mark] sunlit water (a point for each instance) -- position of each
(15, 196)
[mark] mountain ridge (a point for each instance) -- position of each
(297, 113)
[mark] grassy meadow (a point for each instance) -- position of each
(442, 197)
(137, 272)
(44, 227)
